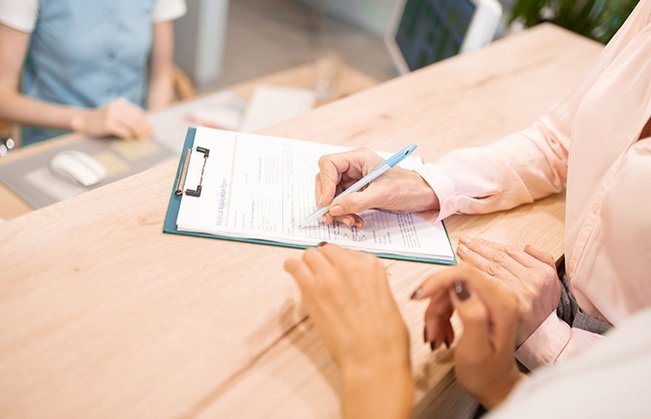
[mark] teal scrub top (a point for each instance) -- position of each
(86, 53)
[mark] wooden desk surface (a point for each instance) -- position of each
(345, 81)
(102, 315)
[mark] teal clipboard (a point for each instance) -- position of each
(170, 227)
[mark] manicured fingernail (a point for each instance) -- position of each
(322, 200)
(424, 335)
(462, 249)
(464, 240)
(416, 293)
(336, 211)
(432, 346)
(461, 291)
(321, 244)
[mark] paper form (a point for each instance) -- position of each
(262, 187)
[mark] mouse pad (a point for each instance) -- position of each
(31, 178)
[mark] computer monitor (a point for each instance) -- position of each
(422, 32)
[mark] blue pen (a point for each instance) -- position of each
(370, 177)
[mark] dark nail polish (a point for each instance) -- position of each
(322, 244)
(432, 346)
(416, 293)
(424, 335)
(461, 291)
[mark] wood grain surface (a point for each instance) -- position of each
(102, 315)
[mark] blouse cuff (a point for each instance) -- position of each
(442, 185)
(545, 344)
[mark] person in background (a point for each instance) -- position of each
(348, 298)
(85, 66)
(596, 144)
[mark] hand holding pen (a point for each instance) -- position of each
(396, 190)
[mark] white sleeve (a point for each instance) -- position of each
(19, 14)
(166, 10)
(610, 380)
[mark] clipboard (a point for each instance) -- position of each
(183, 186)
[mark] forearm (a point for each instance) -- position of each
(24, 110)
(161, 89)
(499, 392)
(161, 70)
(372, 393)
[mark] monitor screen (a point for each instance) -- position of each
(432, 30)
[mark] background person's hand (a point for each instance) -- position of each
(120, 118)
(529, 272)
(398, 190)
(348, 299)
(484, 355)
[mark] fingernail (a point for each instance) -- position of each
(432, 346)
(321, 244)
(424, 335)
(322, 199)
(461, 291)
(462, 249)
(336, 211)
(416, 293)
(464, 240)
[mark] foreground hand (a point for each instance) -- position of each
(119, 118)
(530, 273)
(484, 355)
(398, 190)
(347, 297)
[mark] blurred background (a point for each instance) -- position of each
(246, 65)
(221, 42)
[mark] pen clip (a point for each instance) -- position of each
(180, 184)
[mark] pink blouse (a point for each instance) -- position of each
(596, 144)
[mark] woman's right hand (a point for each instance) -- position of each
(398, 190)
(120, 118)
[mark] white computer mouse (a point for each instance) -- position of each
(78, 167)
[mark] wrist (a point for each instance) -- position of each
(427, 198)
(77, 120)
(499, 391)
(387, 391)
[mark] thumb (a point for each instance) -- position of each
(355, 203)
(474, 316)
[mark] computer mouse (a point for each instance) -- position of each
(78, 167)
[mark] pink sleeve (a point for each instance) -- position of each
(515, 170)
(527, 165)
(552, 341)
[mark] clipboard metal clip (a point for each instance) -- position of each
(180, 183)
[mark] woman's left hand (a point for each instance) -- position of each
(529, 272)
(347, 297)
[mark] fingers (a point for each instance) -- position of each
(496, 297)
(301, 274)
(492, 257)
(331, 168)
(541, 256)
(127, 120)
(351, 220)
(355, 164)
(118, 130)
(437, 323)
(475, 318)
(500, 303)
(356, 203)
